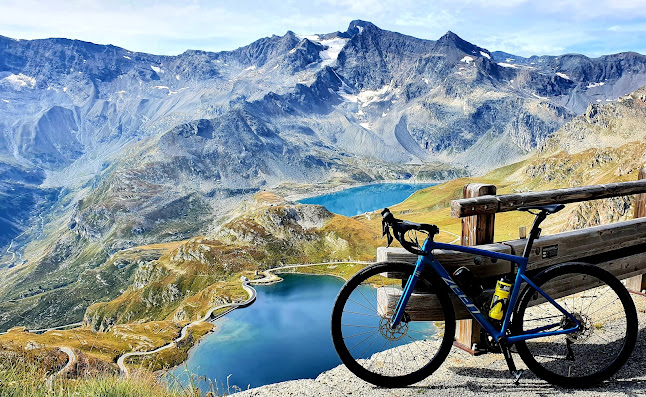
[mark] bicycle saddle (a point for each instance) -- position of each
(550, 209)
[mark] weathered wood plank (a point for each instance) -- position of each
(474, 206)
(577, 244)
(509, 202)
(477, 229)
(638, 283)
(640, 199)
(451, 260)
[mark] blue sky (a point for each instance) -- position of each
(521, 27)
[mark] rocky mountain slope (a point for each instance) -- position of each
(102, 149)
(268, 230)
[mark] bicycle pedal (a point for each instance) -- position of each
(517, 375)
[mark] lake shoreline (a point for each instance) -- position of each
(366, 198)
(271, 277)
(323, 190)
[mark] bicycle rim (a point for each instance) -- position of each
(362, 332)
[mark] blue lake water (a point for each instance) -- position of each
(284, 335)
(357, 200)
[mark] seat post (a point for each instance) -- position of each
(534, 233)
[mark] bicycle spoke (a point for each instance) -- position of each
(368, 347)
(358, 326)
(602, 308)
(362, 314)
(364, 297)
(359, 334)
(365, 339)
(352, 300)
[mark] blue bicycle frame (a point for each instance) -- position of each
(498, 335)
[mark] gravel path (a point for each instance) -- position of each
(71, 359)
(465, 375)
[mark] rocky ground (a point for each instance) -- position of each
(464, 375)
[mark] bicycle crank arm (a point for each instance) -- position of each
(516, 373)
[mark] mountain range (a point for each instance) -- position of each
(103, 149)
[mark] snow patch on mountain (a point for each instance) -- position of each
(563, 75)
(592, 85)
(467, 59)
(334, 47)
(20, 80)
(507, 65)
(366, 97)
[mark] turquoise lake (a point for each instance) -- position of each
(283, 335)
(357, 200)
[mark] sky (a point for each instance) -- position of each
(520, 27)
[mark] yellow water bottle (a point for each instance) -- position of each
(500, 299)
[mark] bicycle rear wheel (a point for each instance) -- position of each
(603, 343)
(364, 339)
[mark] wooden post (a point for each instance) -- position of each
(476, 229)
(638, 283)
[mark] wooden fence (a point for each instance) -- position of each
(619, 248)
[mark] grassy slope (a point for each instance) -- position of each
(106, 346)
(25, 373)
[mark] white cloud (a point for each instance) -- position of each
(628, 28)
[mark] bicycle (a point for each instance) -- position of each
(573, 340)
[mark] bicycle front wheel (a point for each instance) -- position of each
(603, 343)
(362, 332)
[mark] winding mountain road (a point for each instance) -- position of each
(71, 359)
(208, 316)
(269, 278)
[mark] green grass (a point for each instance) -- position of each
(29, 374)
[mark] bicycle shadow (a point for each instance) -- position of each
(529, 383)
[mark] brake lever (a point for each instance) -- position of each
(386, 232)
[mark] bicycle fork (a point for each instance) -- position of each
(406, 293)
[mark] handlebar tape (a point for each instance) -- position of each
(400, 227)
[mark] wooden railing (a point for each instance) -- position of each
(619, 248)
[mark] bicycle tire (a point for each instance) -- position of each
(596, 351)
(411, 352)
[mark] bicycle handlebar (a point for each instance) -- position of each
(401, 227)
